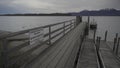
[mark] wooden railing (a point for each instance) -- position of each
(10, 62)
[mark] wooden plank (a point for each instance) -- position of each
(25, 54)
(44, 60)
(71, 59)
(39, 55)
(110, 60)
(56, 56)
(16, 36)
(56, 59)
(88, 57)
(64, 58)
(49, 54)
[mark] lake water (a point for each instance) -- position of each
(17, 23)
(112, 24)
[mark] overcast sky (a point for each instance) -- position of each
(51, 6)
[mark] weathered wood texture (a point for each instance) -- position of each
(88, 55)
(63, 53)
(109, 58)
(17, 48)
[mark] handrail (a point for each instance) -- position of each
(8, 38)
(25, 31)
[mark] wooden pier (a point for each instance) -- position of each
(65, 47)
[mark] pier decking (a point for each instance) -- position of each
(60, 56)
(109, 58)
(72, 50)
(88, 55)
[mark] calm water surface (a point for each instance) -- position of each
(112, 24)
(17, 23)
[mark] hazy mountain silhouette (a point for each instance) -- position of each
(102, 12)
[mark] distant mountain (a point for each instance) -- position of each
(102, 12)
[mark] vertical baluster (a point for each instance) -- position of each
(49, 35)
(70, 25)
(74, 23)
(64, 28)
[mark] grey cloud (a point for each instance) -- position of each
(49, 6)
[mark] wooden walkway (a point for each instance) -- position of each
(108, 57)
(88, 55)
(62, 54)
(69, 51)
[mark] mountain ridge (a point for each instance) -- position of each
(102, 12)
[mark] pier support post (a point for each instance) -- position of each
(98, 43)
(117, 48)
(115, 42)
(106, 36)
(116, 35)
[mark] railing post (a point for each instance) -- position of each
(71, 25)
(64, 28)
(106, 36)
(4, 54)
(115, 40)
(74, 23)
(117, 46)
(49, 35)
